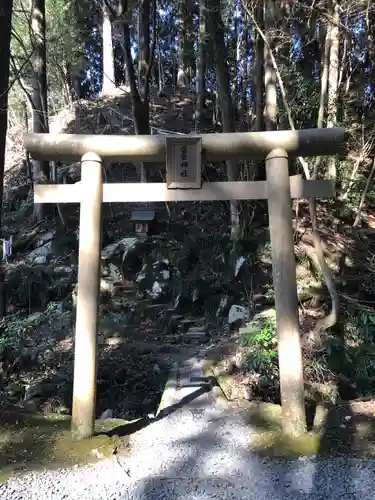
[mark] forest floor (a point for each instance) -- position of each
(200, 277)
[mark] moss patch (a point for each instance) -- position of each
(275, 443)
(337, 431)
(32, 442)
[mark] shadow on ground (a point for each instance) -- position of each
(327, 464)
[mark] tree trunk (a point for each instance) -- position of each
(5, 31)
(40, 106)
(245, 50)
(258, 82)
(161, 81)
(143, 40)
(324, 77)
(333, 76)
(140, 105)
(183, 72)
(201, 65)
(270, 102)
(108, 84)
(225, 100)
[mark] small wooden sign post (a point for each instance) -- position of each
(183, 157)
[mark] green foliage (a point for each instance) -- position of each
(64, 43)
(270, 291)
(353, 355)
(12, 330)
(260, 336)
(15, 328)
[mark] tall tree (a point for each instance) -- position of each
(225, 100)
(39, 97)
(5, 32)
(201, 64)
(143, 39)
(333, 76)
(108, 55)
(258, 70)
(270, 101)
(139, 96)
(182, 78)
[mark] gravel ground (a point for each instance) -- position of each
(197, 453)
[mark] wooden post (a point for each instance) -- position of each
(284, 278)
(85, 356)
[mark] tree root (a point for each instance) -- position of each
(331, 319)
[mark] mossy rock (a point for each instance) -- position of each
(30, 441)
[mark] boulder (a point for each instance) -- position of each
(237, 314)
(122, 247)
(154, 280)
(41, 254)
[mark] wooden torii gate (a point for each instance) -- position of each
(184, 156)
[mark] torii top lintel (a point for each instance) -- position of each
(215, 147)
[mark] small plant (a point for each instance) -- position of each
(352, 355)
(270, 291)
(12, 331)
(260, 336)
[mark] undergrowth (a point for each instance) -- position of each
(260, 339)
(343, 368)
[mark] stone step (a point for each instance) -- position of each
(186, 379)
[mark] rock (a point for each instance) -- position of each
(156, 290)
(106, 414)
(238, 313)
(123, 247)
(113, 341)
(106, 286)
(62, 270)
(112, 272)
(43, 251)
(267, 313)
(47, 237)
(154, 280)
(40, 260)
